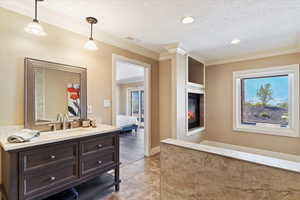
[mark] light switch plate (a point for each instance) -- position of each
(89, 109)
(107, 103)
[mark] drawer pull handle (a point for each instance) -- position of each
(53, 157)
(99, 162)
(52, 178)
(100, 145)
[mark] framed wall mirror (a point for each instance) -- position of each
(54, 91)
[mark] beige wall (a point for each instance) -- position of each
(122, 96)
(219, 106)
(165, 99)
(64, 47)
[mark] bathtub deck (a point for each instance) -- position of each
(217, 171)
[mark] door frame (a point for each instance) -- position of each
(147, 93)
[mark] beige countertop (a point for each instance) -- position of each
(57, 136)
(269, 158)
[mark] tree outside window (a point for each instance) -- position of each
(265, 101)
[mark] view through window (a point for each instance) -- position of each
(137, 104)
(265, 101)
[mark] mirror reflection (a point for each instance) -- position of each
(57, 94)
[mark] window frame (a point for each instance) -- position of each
(293, 111)
(138, 89)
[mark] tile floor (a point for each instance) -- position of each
(140, 181)
(140, 176)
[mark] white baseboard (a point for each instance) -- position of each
(155, 150)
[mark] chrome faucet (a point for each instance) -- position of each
(59, 117)
(65, 120)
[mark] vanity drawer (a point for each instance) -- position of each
(46, 179)
(98, 144)
(48, 155)
(96, 162)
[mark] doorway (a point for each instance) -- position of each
(131, 107)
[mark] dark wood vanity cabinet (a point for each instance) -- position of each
(38, 172)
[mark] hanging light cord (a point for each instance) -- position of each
(91, 38)
(35, 16)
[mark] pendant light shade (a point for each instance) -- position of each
(91, 44)
(35, 27)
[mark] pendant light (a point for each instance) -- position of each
(35, 27)
(90, 44)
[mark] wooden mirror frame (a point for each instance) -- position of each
(30, 64)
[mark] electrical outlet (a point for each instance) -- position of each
(106, 103)
(90, 109)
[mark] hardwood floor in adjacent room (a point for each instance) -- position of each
(131, 147)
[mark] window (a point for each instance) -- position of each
(135, 105)
(267, 101)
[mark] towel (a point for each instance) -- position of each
(24, 135)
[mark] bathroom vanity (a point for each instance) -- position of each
(64, 155)
(59, 160)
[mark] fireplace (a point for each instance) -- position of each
(194, 110)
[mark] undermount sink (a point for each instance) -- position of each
(74, 130)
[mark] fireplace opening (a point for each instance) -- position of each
(195, 110)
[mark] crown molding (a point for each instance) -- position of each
(253, 57)
(175, 48)
(166, 56)
(68, 23)
(181, 51)
(171, 50)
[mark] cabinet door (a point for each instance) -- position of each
(97, 144)
(46, 180)
(44, 170)
(97, 162)
(45, 156)
(99, 154)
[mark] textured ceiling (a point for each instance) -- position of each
(264, 26)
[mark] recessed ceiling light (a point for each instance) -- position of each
(235, 41)
(187, 20)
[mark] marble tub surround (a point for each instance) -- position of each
(202, 172)
(269, 158)
(55, 136)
